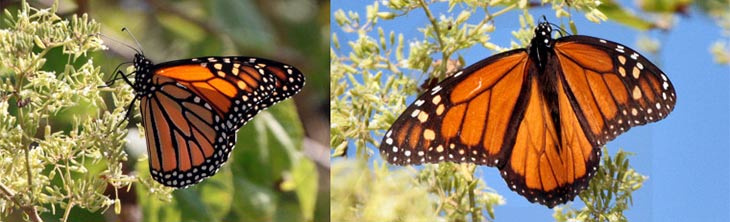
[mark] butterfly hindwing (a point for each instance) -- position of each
(603, 89)
(184, 145)
(552, 159)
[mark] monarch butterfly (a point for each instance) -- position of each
(538, 114)
(192, 108)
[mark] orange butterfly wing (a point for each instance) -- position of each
(191, 110)
(541, 126)
(482, 98)
(494, 113)
(616, 90)
(601, 95)
(184, 145)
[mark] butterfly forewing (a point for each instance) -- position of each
(613, 86)
(287, 80)
(238, 87)
(482, 100)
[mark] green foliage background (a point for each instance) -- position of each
(62, 145)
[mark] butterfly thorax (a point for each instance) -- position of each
(143, 75)
(541, 51)
(541, 44)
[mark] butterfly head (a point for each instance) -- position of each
(543, 33)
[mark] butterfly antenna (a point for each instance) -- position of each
(562, 31)
(135, 40)
(557, 27)
(120, 42)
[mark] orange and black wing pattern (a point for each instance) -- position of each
(465, 118)
(191, 109)
(539, 114)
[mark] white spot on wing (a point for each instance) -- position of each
(415, 113)
(435, 90)
(419, 102)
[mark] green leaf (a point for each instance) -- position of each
(305, 179)
(252, 202)
(242, 19)
(154, 209)
(624, 16)
(191, 206)
(216, 191)
(268, 148)
(181, 27)
(665, 6)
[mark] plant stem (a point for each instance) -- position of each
(32, 214)
(445, 53)
(68, 210)
(30, 210)
(8, 194)
(502, 11)
(471, 187)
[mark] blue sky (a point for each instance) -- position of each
(686, 156)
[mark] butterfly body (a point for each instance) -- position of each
(539, 114)
(191, 109)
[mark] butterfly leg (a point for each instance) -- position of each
(124, 77)
(129, 109)
(117, 73)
